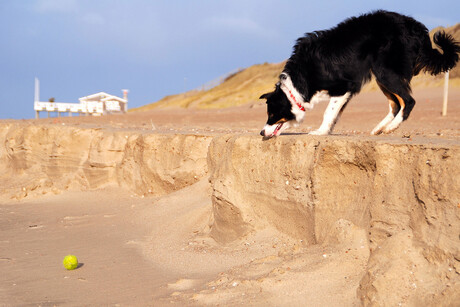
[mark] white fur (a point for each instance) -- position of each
(269, 130)
(287, 86)
(331, 114)
(378, 129)
(394, 124)
(317, 98)
(299, 114)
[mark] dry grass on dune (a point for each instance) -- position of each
(237, 89)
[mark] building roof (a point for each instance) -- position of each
(102, 96)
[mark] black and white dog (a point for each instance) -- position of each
(334, 64)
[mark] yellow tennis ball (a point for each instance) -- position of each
(70, 262)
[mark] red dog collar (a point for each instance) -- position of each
(297, 103)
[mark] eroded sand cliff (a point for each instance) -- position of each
(385, 208)
(404, 195)
(63, 157)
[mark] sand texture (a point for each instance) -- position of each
(191, 207)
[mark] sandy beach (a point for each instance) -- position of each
(146, 237)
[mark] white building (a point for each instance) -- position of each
(95, 104)
(103, 103)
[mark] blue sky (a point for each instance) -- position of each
(158, 48)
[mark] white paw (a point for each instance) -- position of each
(376, 131)
(394, 124)
(390, 128)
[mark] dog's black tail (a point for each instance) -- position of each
(436, 62)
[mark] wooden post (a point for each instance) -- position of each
(37, 114)
(446, 92)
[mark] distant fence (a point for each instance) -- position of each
(95, 108)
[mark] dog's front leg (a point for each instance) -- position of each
(332, 113)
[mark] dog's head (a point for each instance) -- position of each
(280, 113)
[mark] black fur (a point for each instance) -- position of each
(392, 47)
(278, 106)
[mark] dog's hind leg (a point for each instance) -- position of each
(394, 109)
(332, 114)
(398, 89)
(407, 105)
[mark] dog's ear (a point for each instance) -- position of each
(265, 96)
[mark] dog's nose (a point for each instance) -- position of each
(262, 133)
